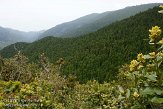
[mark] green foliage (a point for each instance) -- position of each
(18, 69)
(146, 76)
(13, 48)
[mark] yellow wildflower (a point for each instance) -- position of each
(136, 94)
(161, 41)
(160, 54)
(153, 54)
(140, 66)
(161, 6)
(161, 11)
(22, 90)
(133, 65)
(140, 57)
(154, 33)
(1, 105)
(150, 67)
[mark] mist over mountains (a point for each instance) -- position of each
(78, 27)
(9, 36)
(95, 21)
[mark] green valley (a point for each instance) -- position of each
(97, 55)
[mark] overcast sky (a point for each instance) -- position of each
(34, 15)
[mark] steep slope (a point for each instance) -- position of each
(9, 36)
(61, 29)
(97, 55)
(93, 22)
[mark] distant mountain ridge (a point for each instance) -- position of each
(81, 26)
(95, 21)
(9, 36)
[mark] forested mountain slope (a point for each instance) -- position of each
(96, 55)
(93, 22)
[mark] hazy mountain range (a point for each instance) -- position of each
(95, 21)
(80, 26)
(9, 36)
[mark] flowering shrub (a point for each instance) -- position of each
(161, 11)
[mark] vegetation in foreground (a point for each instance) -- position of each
(139, 85)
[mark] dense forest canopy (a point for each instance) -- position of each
(97, 55)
